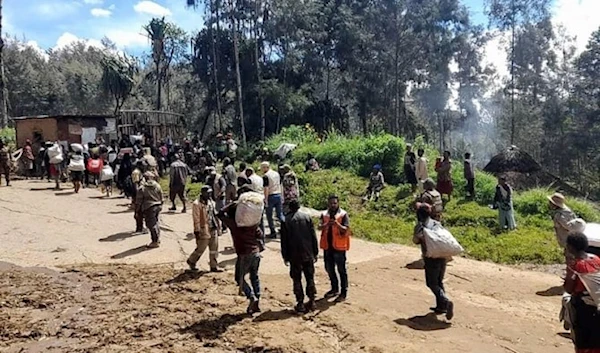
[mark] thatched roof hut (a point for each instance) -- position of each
(523, 172)
(512, 159)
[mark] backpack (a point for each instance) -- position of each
(95, 166)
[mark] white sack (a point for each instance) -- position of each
(77, 147)
(592, 232)
(76, 164)
(440, 243)
(249, 209)
(284, 149)
(107, 173)
(58, 159)
(54, 151)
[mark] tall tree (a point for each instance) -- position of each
(118, 78)
(168, 43)
(234, 8)
(513, 15)
(3, 92)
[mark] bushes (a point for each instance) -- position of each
(357, 155)
(8, 135)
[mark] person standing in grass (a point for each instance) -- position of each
(178, 179)
(444, 178)
(300, 251)
(503, 202)
(149, 202)
(206, 230)
(469, 173)
(410, 161)
(335, 242)
(435, 268)
(421, 169)
(586, 319)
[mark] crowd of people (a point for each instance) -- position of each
(136, 166)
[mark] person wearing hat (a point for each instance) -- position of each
(272, 191)
(5, 162)
(561, 216)
(290, 187)
(207, 229)
(376, 184)
(432, 198)
(149, 200)
(435, 268)
(503, 202)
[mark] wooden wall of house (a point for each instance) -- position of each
(159, 125)
(27, 128)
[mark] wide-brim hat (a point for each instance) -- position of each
(206, 188)
(557, 200)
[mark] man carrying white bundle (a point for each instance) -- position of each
(435, 266)
(207, 229)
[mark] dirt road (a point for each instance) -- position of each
(76, 280)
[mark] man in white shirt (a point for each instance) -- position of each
(272, 191)
(421, 169)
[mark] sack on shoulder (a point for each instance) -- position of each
(440, 243)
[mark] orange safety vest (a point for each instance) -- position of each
(341, 242)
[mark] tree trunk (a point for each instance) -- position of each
(257, 51)
(215, 53)
(238, 76)
(158, 87)
(512, 78)
(3, 92)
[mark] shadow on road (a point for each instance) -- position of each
(212, 329)
(229, 250)
(416, 265)
(45, 189)
(129, 210)
(119, 236)
(131, 252)
(186, 276)
(228, 263)
(555, 291)
(64, 193)
(428, 322)
(271, 315)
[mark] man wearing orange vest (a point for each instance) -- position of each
(335, 241)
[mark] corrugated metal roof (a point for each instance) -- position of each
(92, 116)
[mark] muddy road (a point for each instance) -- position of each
(75, 279)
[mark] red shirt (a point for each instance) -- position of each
(589, 265)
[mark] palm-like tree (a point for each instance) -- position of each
(157, 31)
(118, 78)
